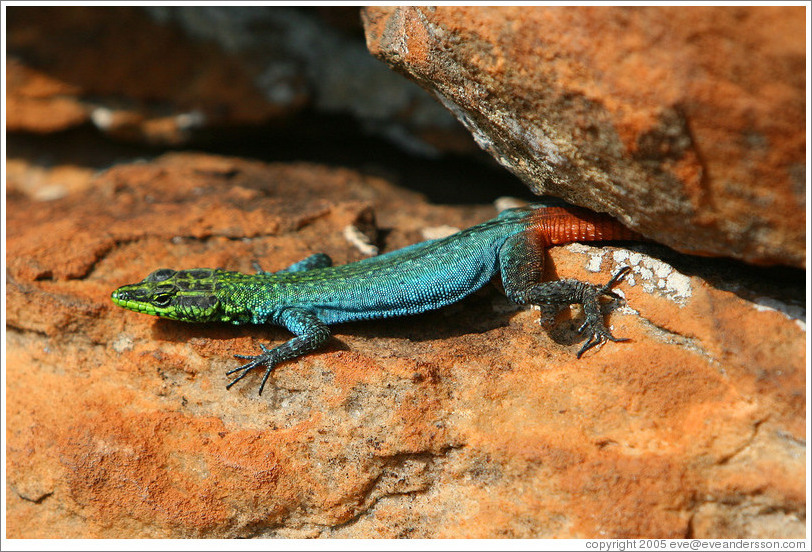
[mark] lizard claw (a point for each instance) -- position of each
(599, 334)
(607, 289)
(267, 357)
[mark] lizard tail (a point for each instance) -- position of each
(561, 225)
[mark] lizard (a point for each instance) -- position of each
(312, 294)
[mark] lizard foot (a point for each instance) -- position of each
(598, 332)
(311, 333)
(551, 297)
(269, 358)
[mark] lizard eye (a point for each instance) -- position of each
(162, 300)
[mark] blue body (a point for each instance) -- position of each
(421, 277)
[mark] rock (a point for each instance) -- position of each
(317, 54)
(209, 68)
(686, 124)
(465, 422)
(40, 103)
(74, 65)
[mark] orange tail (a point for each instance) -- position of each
(562, 225)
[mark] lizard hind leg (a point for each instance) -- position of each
(551, 297)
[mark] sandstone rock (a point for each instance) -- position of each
(130, 76)
(37, 102)
(465, 422)
(166, 75)
(685, 123)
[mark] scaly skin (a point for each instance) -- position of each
(310, 295)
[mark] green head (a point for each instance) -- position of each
(187, 295)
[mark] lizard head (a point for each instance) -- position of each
(187, 295)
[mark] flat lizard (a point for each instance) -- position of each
(309, 296)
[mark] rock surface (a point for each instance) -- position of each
(209, 67)
(686, 124)
(465, 422)
(132, 78)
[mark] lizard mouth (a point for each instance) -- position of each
(122, 299)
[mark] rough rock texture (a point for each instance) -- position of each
(465, 422)
(685, 123)
(166, 75)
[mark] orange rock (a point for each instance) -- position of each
(31, 93)
(169, 76)
(132, 77)
(465, 422)
(685, 123)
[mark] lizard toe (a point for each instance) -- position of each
(598, 335)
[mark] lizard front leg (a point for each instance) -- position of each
(311, 333)
(521, 263)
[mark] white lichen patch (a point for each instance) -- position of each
(655, 276)
(596, 256)
(679, 285)
(625, 308)
(660, 278)
(662, 270)
(594, 263)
